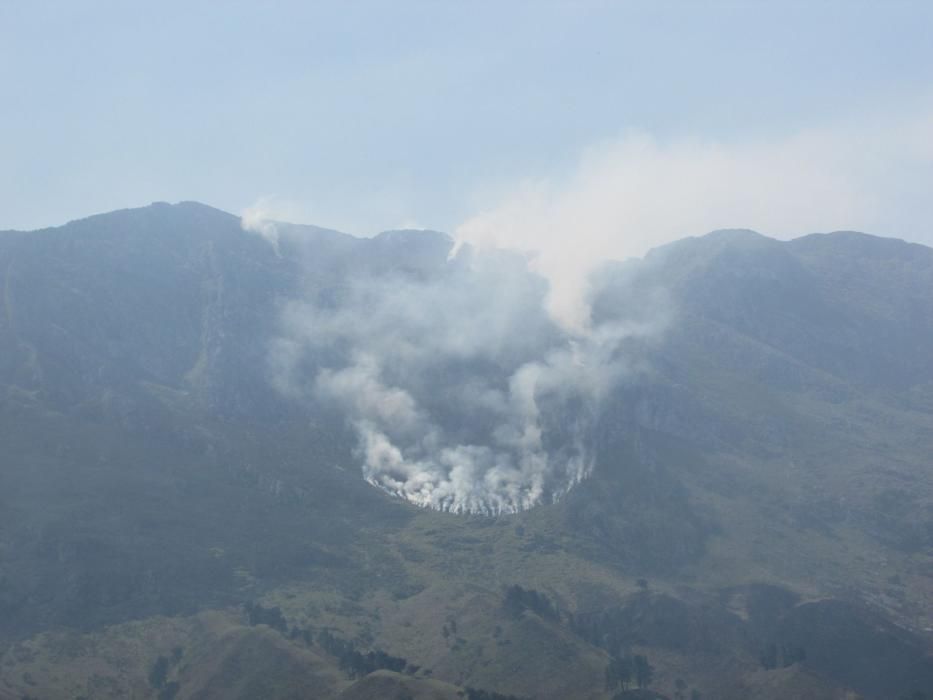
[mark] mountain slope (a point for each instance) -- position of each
(761, 483)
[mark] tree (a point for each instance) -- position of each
(618, 673)
(518, 599)
(644, 672)
(356, 663)
(769, 656)
(259, 615)
(159, 673)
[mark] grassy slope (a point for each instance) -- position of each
(818, 486)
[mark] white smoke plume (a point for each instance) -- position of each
(636, 192)
(464, 395)
(263, 217)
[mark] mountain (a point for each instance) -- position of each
(758, 521)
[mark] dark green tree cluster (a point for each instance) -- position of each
(518, 600)
(305, 634)
(158, 675)
(782, 656)
(449, 631)
(680, 692)
(624, 670)
(259, 615)
(357, 664)
(606, 630)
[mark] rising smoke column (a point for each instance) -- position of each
(464, 393)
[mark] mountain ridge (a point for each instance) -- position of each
(725, 234)
(765, 464)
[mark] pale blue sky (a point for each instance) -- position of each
(366, 115)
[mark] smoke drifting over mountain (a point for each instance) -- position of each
(628, 195)
(464, 393)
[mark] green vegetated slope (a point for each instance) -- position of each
(759, 522)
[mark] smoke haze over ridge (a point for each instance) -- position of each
(507, 340)
(627, 195)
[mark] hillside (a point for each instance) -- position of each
(758, 521)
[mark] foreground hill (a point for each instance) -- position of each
(759, 522)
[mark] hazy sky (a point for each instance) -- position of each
(610, 116)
